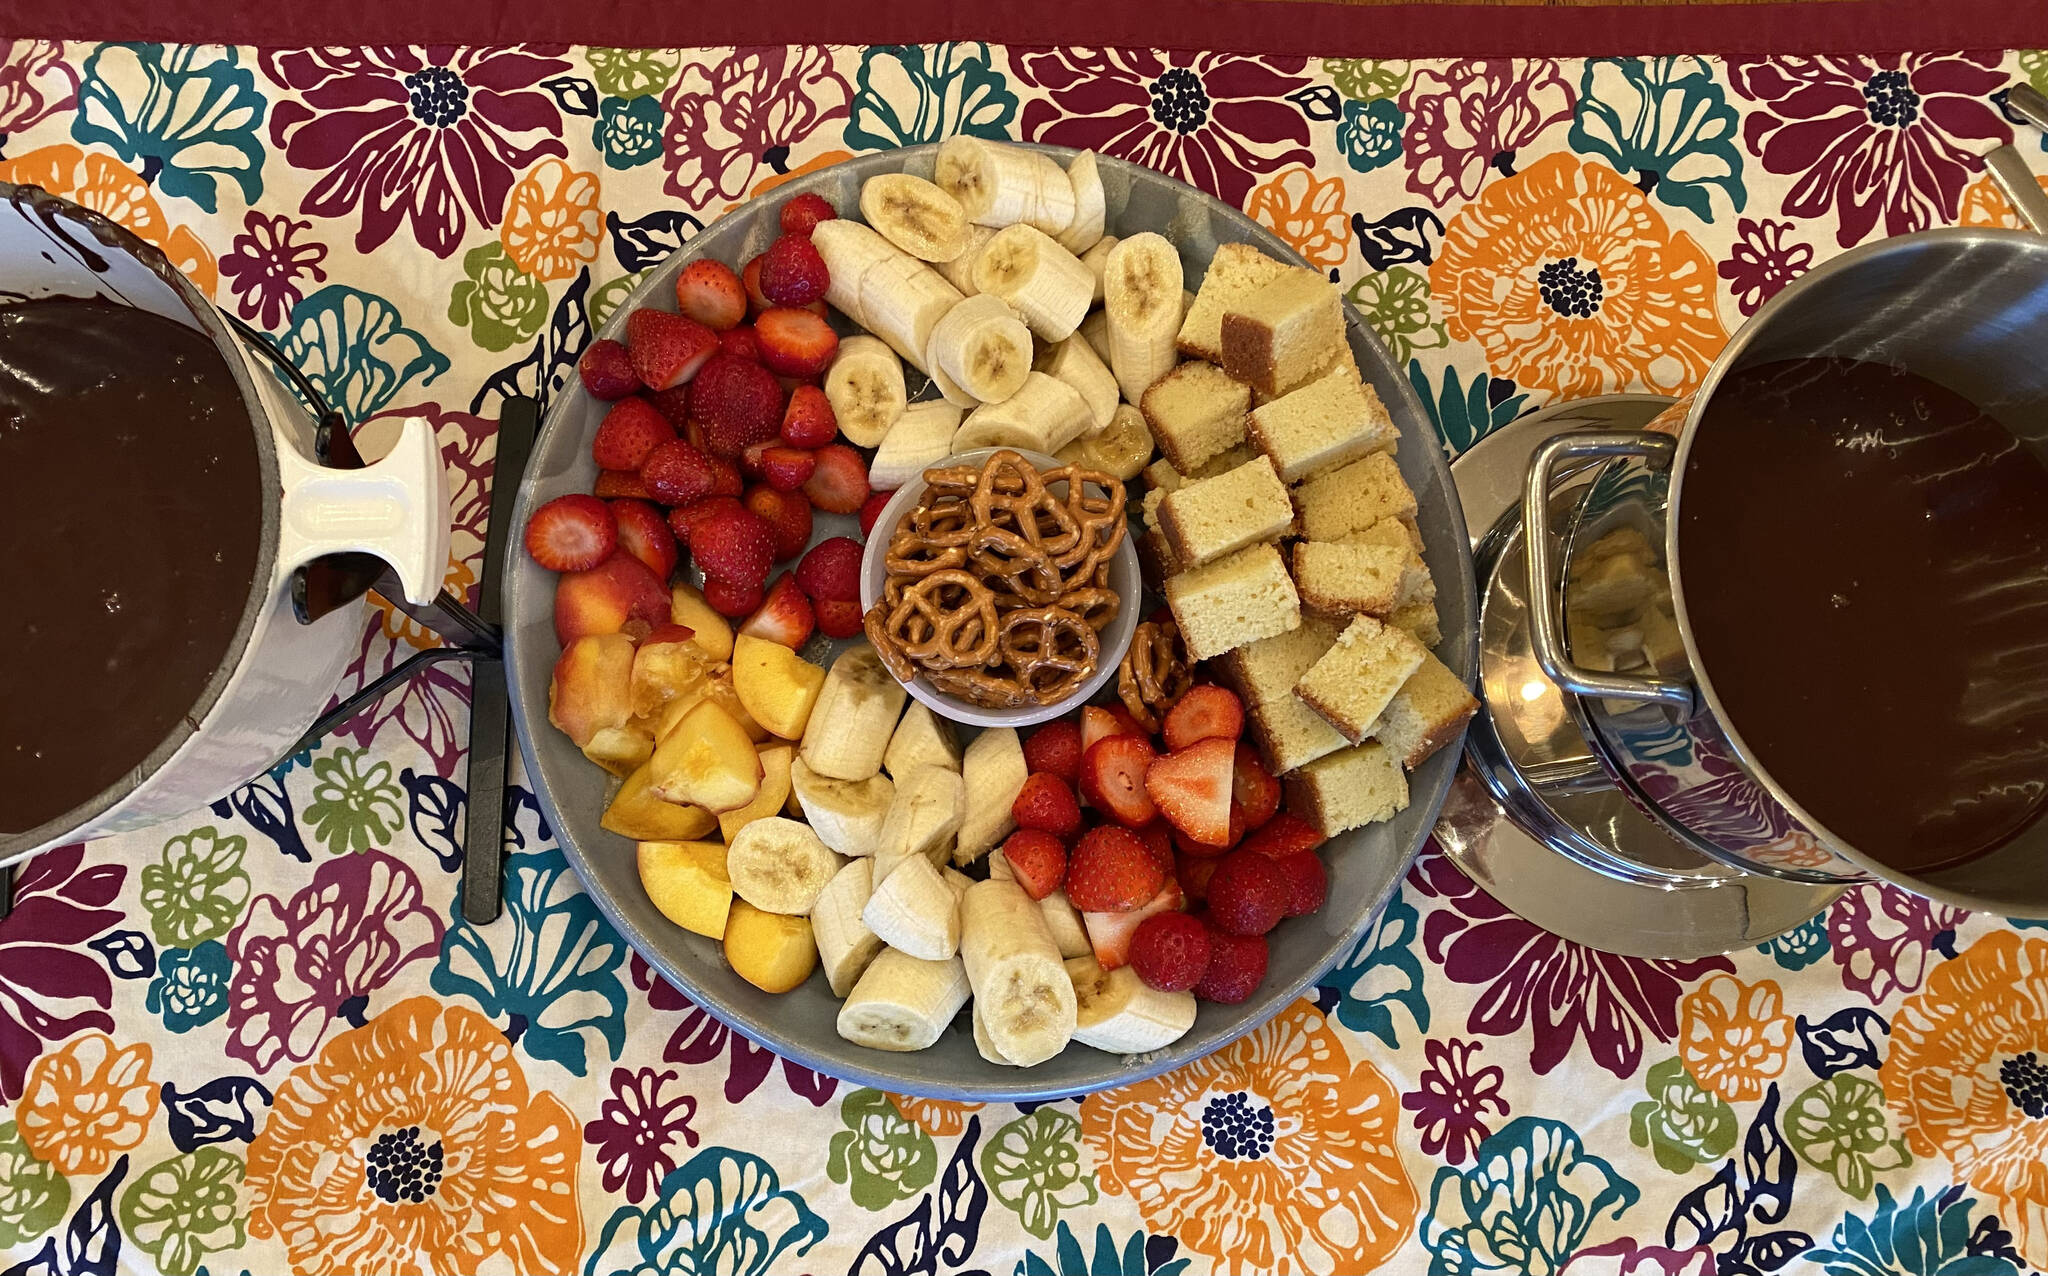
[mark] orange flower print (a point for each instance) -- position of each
(824, 159)
(1734, 1036)
(399, 627)
(87, 1102)
(1307, 213)
(1275, 1154)
(1571, 282)
(940, 1118)
(413, 1144)
(1967, 1075)
(552, 221)
(106, 186)
(1986, 205)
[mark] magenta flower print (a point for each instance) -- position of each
(1894, 137)
(431, 137)
(1762, 261)
(1886, 940)
(726, 114)
(299, 962)
(1450, 1108)
(639, 1130)
(51, 986)
(36, 81)
(1217, 121)
(701, 1038)
(266, 263)
(1472, 116)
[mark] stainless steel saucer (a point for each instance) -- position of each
(1533, 817)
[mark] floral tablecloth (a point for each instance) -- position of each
(262, 1039)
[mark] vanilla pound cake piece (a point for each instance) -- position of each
(1235, 272)
(1355, 679)
(1235, 600)
(1333, 419)
(1343, 358)
(1339, 579)
(1387, 531)
(1284, 332)
(1212, 517)
(1349, 789)
(1195, 413)
(1420, 620)
(1426, 714)
(1288, 732)
(1351, 498)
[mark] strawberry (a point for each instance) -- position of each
(871, 509)
(677, 473)
(792, 272)
(1047, 804)
(789, 518)
(644, 534)
(838, 619)
(804, 211)
(1111, 871)
(795, 343)
(607, 370)
(571, 533)
(1254, 793)
(732, 598)
(1283, 835)
(1192, 789)
(840, 483)
(1113, 778)
(1248, 895)
(674, 406)
(1169, 951)
(750, 458)
(738, 402)
(617, 483)
(1193, 875)
(725, 478)
(1055, 749)
(787, 468)
(1109, 934)
(1205, 713)
(709, 292)
(667, 349)
(735, 546)
(1038, 859)
(1158, 839)
(740, 343)
(684, 518)
(809, 420)
(1201, 850)
(1237, 966)
(750, 278)
(1308, 882)
(632, 429)
(831, 570)
(784, 615)
(1097, 722)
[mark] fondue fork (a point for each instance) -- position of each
(2010, 171)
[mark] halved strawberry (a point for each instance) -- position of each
(1109, 934)
(795, 343)
(709, 292)
(784, 615)
(667, 349)
(1254, 793)
(838, 619)
(612, 484)
(674, 404)
(808, 421)
(1038, 860)
(740, 343)
(750, 458)
(871, 509)
(788, 515)
(840, 482)
(607, 370)
(677, 473)
(805, 211)
(1158, 839)
(1110, 870)
(1113, 773)
(787, 468)
(1098, 721)
(571, 533)
(792, 272)
(750, 278)
(1283, 835)
(1206, 712)
(731, 598)
(645, 534)
(1047, 804)
(684, 518)
(831, 570)
(629, 432)
(1192, 789)
(1202, 850)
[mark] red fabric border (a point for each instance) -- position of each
(1308, 28)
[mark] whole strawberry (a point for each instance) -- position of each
(1237, 966)
(1249, 894)
(607, 370)
(792, 272)
(831, 570)
(1047, 804)
(739, 403)
(734, 545)
(1170, 951)
(1055, 749)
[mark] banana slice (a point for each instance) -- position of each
(921, 437)
(1015, 970)
(1141, 290)
(1047, 284)
(1089, 205)
(1074, 362)
(850, 250)
(922, 738)
(1122, 449)
(1000, 185)
(1095, 330)
(902, 300)
(957, 882)
(1121, 1013)
(915, 911)
(1044, 416)
(1096, 259)
(853, 717)
(959, 272)
(865, 387)
(993, 773)
(930, 803)
(845, 944)
(915, 215)
(1064, 923)
(903, 1003)
(982, 1041)
(846, 815)
(980, 352)
(779, 865)
(999, 869)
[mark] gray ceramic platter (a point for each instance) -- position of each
(1365, 865)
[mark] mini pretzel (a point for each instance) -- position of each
(1154, 674)
(946, 620)
(1095, 606)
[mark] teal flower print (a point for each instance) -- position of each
(1526, 1204)
(1801, 946)
(187, 114)
(1395, 301)
(1033, 1166)
(721, 1211)
(1369, 135)
(499, 303)
(191, 986)
(881, 1157)
(905, 94)
(628, 131)
(1366, 79)
(1465, 413)
(1381, 973)
(33, 1195)
(197, 889)
(631, 73)
(1682, 1124)
(1923, 1236)
(183, 1209)
(1666, 121)
(1140, 1255)
(355, 348)
(356, 803)
(1839, 1127)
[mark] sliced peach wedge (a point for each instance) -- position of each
(707, 761)
(687, 882)
(592, 686)
(667, 663)
(777, 686)
(637, 813)
(713, 633)
(774, 791)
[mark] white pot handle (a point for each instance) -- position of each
(396, 509)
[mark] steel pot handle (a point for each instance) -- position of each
(1546, 592)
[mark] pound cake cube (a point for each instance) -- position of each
(1355, 679)
(1161, 476)
(1331, 420)
(1417, 585)
(1353, 497)
(1420, 620)
(1339, 579)
(1232, 601)
(1426, 713)
(1387, 531)
(1263, 673)
(1216, 516)
(1350, 789)
(1235, 272)
(1195, 413)
(1283, 332)
(1342, 358)
(1155, 556)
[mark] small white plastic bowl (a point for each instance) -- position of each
(1123, 578)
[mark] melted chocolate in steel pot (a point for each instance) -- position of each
(1864, 556)
(131, 490)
